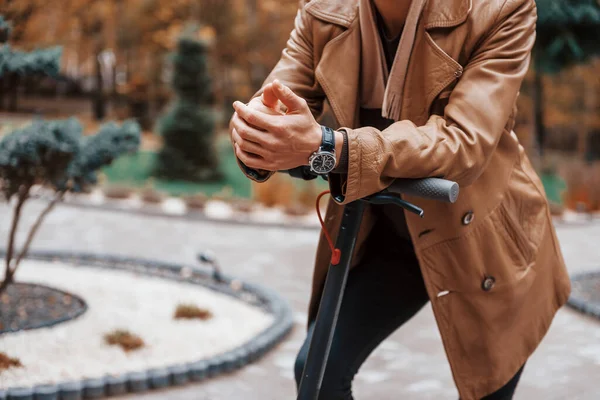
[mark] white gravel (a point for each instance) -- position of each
(122, 300)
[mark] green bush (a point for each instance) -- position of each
(188, 128)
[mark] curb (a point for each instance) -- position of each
(194, 215)
(172, 375)
(581, 304)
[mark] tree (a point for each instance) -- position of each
(567, 34)
(14, 64)
(54, 155)
(188, 127)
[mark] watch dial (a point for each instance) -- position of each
(323, 163)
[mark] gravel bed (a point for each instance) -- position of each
(27, 306)
(134, 295)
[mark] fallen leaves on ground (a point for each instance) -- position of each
(191, 311)
(125, 339)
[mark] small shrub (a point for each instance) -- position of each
(118, 192)
(556, 210)
(57, 156)
(225, 194)
(7, 362)
(594, 185)
(191, 311)
(243, 205)
(195, 201)
(125, 339)
(583, 180)
(188, 127)
(308, 195)
(277, 191)
(151, 196)
(297, 210)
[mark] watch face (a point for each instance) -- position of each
(323, 163)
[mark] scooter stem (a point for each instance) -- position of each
(329, 307)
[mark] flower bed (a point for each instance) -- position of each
(140, 296)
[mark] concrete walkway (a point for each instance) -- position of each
(409, 365)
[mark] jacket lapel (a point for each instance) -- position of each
(337, 73)
(430, 69)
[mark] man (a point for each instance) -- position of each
(419, 88)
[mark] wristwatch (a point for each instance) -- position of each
(323, 161)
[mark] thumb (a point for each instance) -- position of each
(269, 98)
(292, 101)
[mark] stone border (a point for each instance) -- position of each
(55, 321)
(173, 375)
(580, 304)
(134, 205)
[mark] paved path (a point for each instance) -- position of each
(410, 365)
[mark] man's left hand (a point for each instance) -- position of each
(281, 142)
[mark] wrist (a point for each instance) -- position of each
(339, 145)
(315, 141)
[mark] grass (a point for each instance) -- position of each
(135, 171)
(554, 186)
(125, 339)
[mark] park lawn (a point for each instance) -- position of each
(134, 170)
(554, 186)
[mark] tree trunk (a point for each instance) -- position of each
(2, 90)
(538, 107)
(14, 91)
(99, 103)
(58, 197)
(9, 272)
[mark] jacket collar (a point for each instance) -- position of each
(437, 13)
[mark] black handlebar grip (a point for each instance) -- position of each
(427, 188)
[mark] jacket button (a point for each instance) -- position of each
(488, 283)
(458, 73)
(468, 218)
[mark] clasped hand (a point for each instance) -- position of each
(268, 138)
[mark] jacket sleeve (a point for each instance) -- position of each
(458, 145)
(296, 70)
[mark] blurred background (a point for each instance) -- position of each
(173, 66)
(139, 59)
(120, 108)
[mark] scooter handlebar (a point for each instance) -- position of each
(427, 188)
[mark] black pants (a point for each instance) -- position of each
(381, 295)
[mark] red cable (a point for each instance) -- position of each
(336, 254)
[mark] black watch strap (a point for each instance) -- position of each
(302, 172)
(328, 143)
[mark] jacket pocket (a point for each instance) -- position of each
(497, 246)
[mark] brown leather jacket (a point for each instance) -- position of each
(458, 113)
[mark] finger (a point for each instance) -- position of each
(250, 160)
(290, 99)
(269, 98)
(250, 133)
(254, 117)
(247, 132)
(249, 146)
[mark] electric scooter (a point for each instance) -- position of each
(333, 292)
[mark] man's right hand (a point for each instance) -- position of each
(267, 103)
